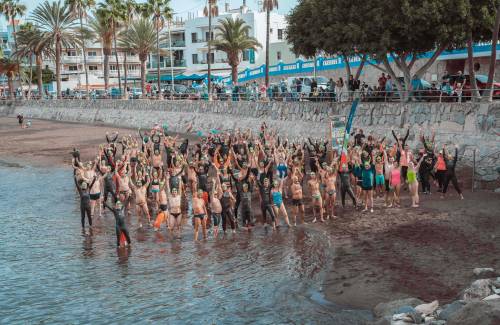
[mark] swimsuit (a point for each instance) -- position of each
(277, 198)
(297, 202)
(175, 215)
(411, 176)
(395, 177)
(217, 218)
(163, 207)
(331, 192)
(95, 196)
(201, 216)
(379, 179)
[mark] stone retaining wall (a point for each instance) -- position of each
(473, 126)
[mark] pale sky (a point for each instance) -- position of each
(182, 7)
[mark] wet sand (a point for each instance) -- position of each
(428, 252)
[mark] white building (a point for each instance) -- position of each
(189, 52)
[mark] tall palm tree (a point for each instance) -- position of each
(9, 68)
(58, 26)
(100, 25)
(12, 9)
(25, 49)
(140, 38)
(232, 38)
(160, 10)
(79, 8)
(116, 14)
(131, 9)
(211, 11)
(268, 5)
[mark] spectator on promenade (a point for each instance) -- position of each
(389, 86)
(339, 89)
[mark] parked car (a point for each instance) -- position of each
(306, 83)
(135, 93)
(100, 94)
(481, 81)
(116, 93)
(179, 91)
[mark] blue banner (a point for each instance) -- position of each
(348, 125)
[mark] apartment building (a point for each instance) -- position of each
(186, 53)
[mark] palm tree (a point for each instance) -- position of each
(11, 9)
(79, 8)
(25, 49)
(140, 38)
(131, 8)
(269, 5)
(101, 27)
(161, 11)
(211, 11)
(232, 38)
(115, 12)
(9, 68)
(33, 42)
(57, 24)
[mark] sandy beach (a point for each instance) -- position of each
(428, 252)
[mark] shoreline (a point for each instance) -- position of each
(391, 254)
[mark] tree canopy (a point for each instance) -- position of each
(397, 31)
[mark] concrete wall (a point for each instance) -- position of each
(473, 126)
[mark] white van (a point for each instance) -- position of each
(306, 83)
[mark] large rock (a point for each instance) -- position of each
(391, 307)
(478, 290)
(477, 313)
(484, 272)
(450, 309)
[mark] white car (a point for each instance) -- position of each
(306, 83)
(135, 93)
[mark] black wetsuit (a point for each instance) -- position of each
(450, 173)
(345, 187)
(246, 207)
(120, 225)
(202, 173)
(239, 190)
(227, 212)
(266, 205)
(85, 202)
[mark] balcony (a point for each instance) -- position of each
(166, 64)
(178, 43)
(114, 73)
(94, 59)
(71, 59)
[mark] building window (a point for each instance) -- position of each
(194, 38)
(280, 33)
(207, 36)
(112, 67)
(195, 58)
(92, 53)
(132, 67)
(278, 55)
(270, 30)
(73, 68)
(71, 53)
(92, 68)
(246, 55)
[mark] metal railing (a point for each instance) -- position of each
(245, 94)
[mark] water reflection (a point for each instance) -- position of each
(53, 273)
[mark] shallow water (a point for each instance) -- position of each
(51, 272)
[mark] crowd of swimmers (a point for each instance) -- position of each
(221, 181)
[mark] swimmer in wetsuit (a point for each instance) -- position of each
(120, 226)
(85, 209)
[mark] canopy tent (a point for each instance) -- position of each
(181, 77)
